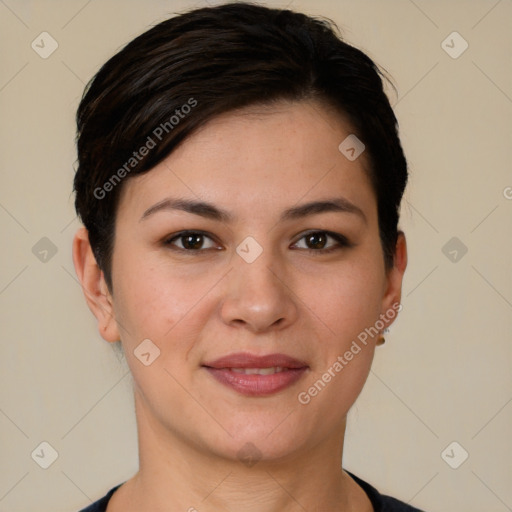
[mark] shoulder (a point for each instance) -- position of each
(101, 504)
(383, 503)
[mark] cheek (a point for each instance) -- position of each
(331, 393)
(346, 303)
(144, 306)
(345, 307)
(347, 299)
(156, 302)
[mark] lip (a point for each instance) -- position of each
(246, 360)
(255, 384)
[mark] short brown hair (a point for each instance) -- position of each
(186, 70)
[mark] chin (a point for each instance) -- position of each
(260, 440)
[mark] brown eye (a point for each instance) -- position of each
(190, 241)
(318, 242)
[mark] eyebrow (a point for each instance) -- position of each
(210, 211)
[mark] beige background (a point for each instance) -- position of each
(444, 374)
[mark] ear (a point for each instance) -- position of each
(394, 277)
(94, 286)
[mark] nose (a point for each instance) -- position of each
(259, 295)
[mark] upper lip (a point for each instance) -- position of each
(246, 360)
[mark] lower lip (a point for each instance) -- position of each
(254, 384)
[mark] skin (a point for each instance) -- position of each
(200, 305)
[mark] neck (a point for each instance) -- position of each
(176, 475)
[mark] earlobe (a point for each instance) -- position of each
(393, 292)
(94, 286)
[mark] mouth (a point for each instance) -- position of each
(253, 375)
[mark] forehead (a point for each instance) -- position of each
(259, 157)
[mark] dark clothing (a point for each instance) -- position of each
(380, 503)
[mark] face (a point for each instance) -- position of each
(242, 269)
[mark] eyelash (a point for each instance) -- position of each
(341, 240)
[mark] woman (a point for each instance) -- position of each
(239, 180)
